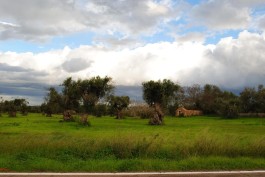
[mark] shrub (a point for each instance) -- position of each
(100, 110)
(82, 120)
(144, 112)
(230, 111)
(12, 113)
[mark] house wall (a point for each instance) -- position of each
(185, 112)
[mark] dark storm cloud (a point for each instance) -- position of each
(8, 68)
(75, 65)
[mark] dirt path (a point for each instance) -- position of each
(154, 174)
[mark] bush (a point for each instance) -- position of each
(100, 110)
(144, 112)
(82, 120)
(12, 113)
(230, 111)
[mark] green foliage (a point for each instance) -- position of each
(162, 92)
(142, 111)
(70, 94)
(1, 106)
(159, 94)
(94, 89)
(82, 119)
(253, 100)
(100, 110)
(208, 101)
(118, 103)
(12, 106)
(53, 102)
(247, 98)
(85, 93)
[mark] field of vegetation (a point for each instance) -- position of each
(36, 143)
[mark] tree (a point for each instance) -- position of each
(193, 96)
(83, 95)
(94, 89)
(22, 105)
(159, 94)
(260, 99)
(118, 103)
(1, 106)
(228, 105)
(71, 94)
(248, 100)
(10, 108)
(53, 102)
(208, 101)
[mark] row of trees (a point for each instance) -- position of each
(85, 96)
(95, 96)
(212, 100)
(13, 106)
(162, 96)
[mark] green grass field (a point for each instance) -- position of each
(38, 144)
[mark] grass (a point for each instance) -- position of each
(37, 143)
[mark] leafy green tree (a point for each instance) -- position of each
(94, 89)
(159, 94)
(53, 102)
(10, 108)
(71, 94)
(208, 102)
(24, 107)
(248, 100)
(118, 103)
(260, 99)
(228, 105)
(1, 106)
(85, 94)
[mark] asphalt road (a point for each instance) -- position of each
(154, 174)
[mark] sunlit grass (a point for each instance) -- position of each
(37, 143)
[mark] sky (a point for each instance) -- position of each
(42, 42)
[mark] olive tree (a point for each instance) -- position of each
(93, 89)
(118, 103)
(83, 95)
(53, 102)
(158, 95)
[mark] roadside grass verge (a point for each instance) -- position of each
(36, 143)
(195, 163)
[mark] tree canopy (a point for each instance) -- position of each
(118, 103)
(159, 94)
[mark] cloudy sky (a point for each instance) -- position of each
(42, 42)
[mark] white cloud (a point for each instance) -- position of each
(232, 62)
(221, 15)
(261, 22)
(251, 3)
(191, 37)
(38, 20)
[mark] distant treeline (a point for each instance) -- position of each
(95, 96)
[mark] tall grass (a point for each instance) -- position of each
(129, 146)
(44, 144)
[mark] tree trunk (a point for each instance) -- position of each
(118, 114)
(157, 119)
(68, 115)
(12, 114)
